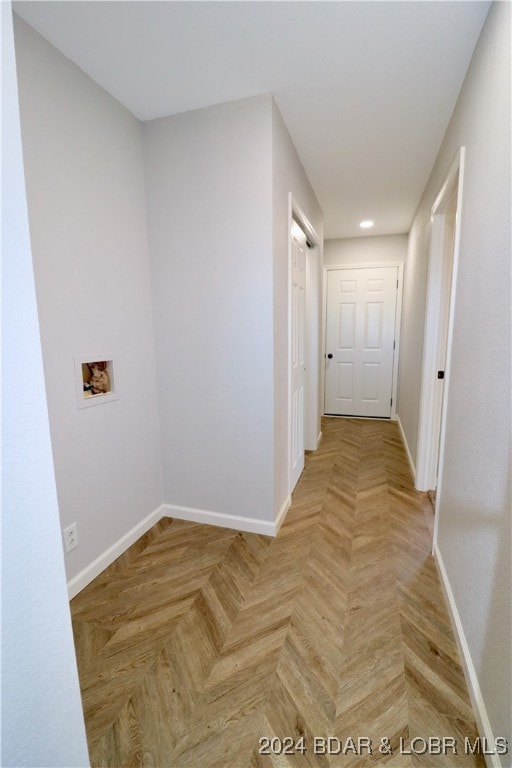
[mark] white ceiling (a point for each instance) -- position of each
(365, 88)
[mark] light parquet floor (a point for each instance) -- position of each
(199, 641)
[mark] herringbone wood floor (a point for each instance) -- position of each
(199, 640)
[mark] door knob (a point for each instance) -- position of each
(330, 355)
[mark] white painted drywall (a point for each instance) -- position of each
(474, 505)
(209, 203)
(413, 328)
(42, 721)
(288, 175)
(85, 189)
(365, 250)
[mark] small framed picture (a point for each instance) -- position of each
(95, 380)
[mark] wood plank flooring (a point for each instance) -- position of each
(200, 641)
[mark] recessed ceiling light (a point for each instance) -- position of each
(366, 224)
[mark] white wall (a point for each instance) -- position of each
(474, 509)
(85, 190)
(413, 328)
(289, 176)
(212, 437)
(365, 250)
(209, 198)
(42, 721)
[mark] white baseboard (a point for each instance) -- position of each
(237, 522)
(407, 451)
(479, 709)
(82, 579)
(282, 514)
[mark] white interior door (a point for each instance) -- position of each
(298, 310)
(441, 289)
(444, 319)
(360, 341)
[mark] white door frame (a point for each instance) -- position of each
(398, 320)
(312, 352)
(432, 415)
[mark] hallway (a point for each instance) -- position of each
(199, 641)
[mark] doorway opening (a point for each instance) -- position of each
(441, 289)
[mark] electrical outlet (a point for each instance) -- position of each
(70, 537)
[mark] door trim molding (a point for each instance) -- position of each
(398, 321)
(431, 430)
(295, 213)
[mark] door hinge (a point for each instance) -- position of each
(440, 374)
(397, 283)
(391, 401)
(394, 344)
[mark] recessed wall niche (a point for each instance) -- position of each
(95, 380)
